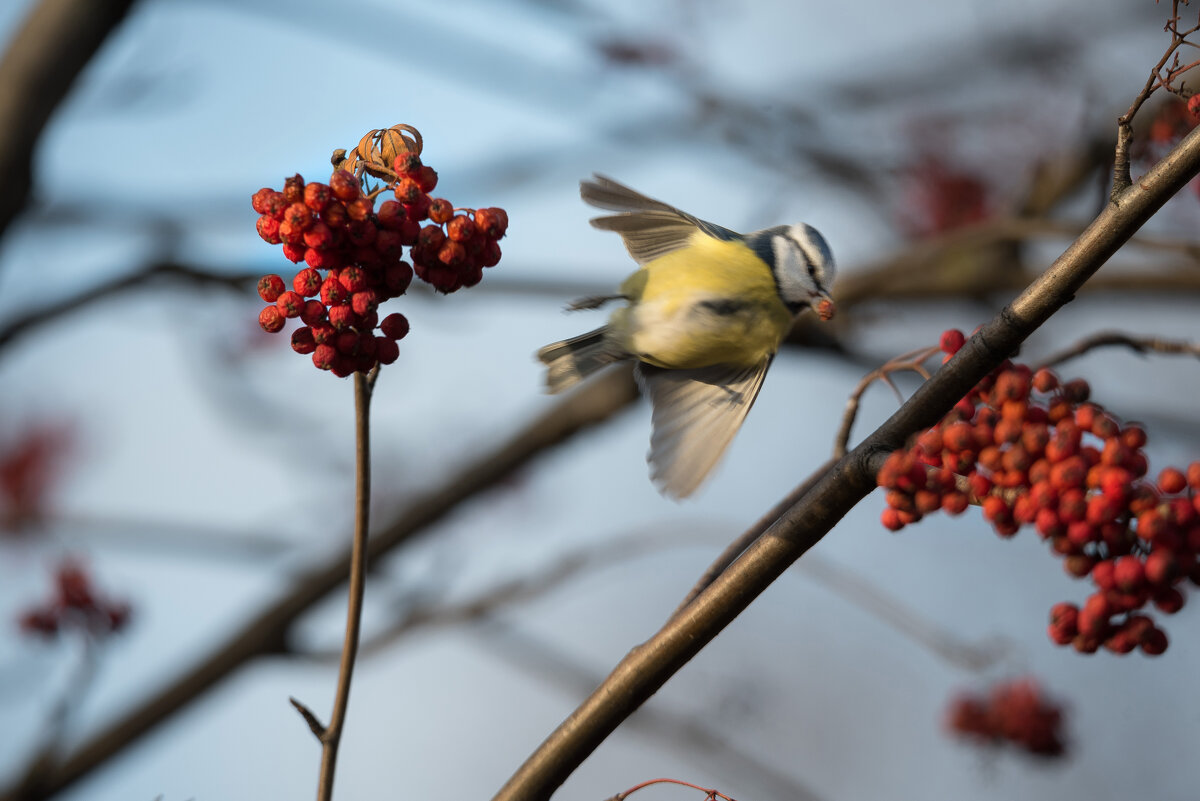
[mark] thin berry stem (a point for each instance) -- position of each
(358, 574)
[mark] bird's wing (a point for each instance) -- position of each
(649, 227)
(696, 413)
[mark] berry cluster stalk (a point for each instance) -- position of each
(330, 736)
(358, 577)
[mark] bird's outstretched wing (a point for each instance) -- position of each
(696, 413)
(649, 227)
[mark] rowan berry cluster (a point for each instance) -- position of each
(75, 605)
(353, 255)
(1014, 712)
(1032, 450)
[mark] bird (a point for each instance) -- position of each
(704, 315)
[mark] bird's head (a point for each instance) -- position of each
(802, 264)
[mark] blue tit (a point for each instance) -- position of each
(703, 318)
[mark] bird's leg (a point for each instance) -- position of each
(593, 302)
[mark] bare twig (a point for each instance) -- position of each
(1158, 79)
(314, 725)
(26, 323)
(913, 361)
(712, 795)
(848, 585)
(647, 667)
(1143, 345)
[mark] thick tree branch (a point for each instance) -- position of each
(648, 666)
(45, 55)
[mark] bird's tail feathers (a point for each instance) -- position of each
(572, 360)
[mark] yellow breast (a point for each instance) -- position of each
(712, 302)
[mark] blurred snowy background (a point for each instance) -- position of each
(207, 469)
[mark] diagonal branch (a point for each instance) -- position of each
(836, 490)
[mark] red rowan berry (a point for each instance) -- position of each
(1048, 523)
(1078, 565)
(341, 317)
(361, 233)
(386, 350)
(452, 254)
(322, 259)
(323, 333)
(353, 279)
(1103, 509)
(324, 356)
(270, 287)
(927, 501)
(298, 216)
(313, 312)
(293, 189)
(261, 201)
(1133, 437)
(489, 256)
(461, 228)
(364, 302)
(1154, 642)
(290, 303)
(1034, 439)
(335, 215)
(965, 409)
(951, 341)
(1076, 390)
(1104, 574)
(344, 185)
(418, 209)
(1129, 573)
(1045, 380)
(1120, 642)
(1168, 599)
(302, 340)
(1060, 635)
(1151, 525)
(407, 163)
(307, 282)
(293, 253)
(394, 326)
(1162, 567)
(492, 222)
(427, 178)
(346, 342)
(332, 291)
(996, 508)
(1080, 533)
(954, 503)
(268, 229)
(407, 191)
(890, 518)
(958, 437)
(317, 196)
(1171, 481)
(441, 210)
(271, 319)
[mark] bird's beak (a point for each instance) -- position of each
(823, 305)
